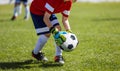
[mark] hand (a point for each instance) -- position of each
(58, 35)
(54, 30)
(69, 31)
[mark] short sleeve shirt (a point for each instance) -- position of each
(39, 7)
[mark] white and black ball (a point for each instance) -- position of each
(70, 43)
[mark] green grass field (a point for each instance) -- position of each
(97, 27)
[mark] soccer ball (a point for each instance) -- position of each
(70, 43)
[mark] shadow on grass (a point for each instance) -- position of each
(5, 20)
(50, 64)
(15, 65)
(27, 64)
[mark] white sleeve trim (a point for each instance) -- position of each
(49, 7)
(66, 12)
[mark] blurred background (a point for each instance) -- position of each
(95, 22)
(96, 1)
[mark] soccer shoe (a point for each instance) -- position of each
(26, 18)
(13, 18)
(40, 56)
(59, 59)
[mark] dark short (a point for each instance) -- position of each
(39, 24)
(19, 1)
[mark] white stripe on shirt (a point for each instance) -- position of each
(49, 7)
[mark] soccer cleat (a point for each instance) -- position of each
(26, 18)
(40, 56)
(13, 18)
(59, 59)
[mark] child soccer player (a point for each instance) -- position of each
(45, 22)
(17, 9)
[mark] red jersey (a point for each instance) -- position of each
(39, 7)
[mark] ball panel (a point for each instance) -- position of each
(70, 43)
(72, 37)
(70, 46)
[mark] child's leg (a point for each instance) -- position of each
(19, 9)
(58, 51)
(58, 56)
(16, 10)
(40, 43)
(26, 10)
(41, 30)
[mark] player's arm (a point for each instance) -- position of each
(59, 39)
(66, 23)
(47, 20)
